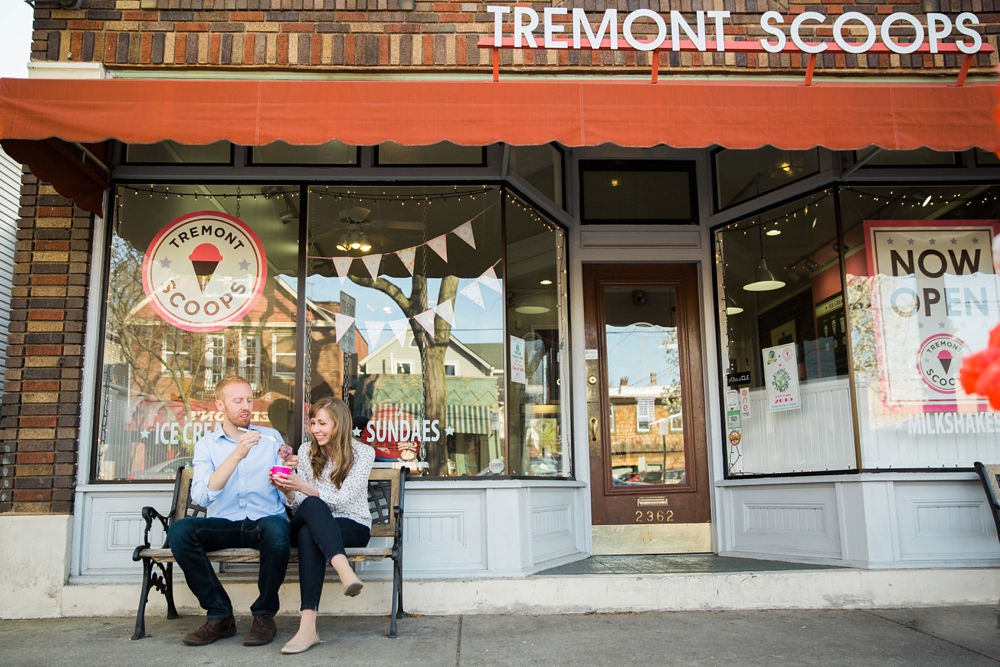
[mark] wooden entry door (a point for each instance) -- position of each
(649, 476)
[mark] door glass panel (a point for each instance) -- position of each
(644, 386)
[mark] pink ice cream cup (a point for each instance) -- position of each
(280, 470)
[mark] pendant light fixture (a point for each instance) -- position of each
(732, 308)
(763, 279)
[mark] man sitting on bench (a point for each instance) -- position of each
(231, 480)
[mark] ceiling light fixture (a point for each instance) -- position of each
(732, 308)
(927, 201)
(546, 282)
(773, 232)
(763, 279)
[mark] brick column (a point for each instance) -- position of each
(40, 418)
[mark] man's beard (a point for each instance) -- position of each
(240, 419)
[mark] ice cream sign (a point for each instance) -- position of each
(204, 271)
(934, 297)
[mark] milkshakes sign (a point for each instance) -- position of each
(934, 298)
(562, 28)
(204, 271)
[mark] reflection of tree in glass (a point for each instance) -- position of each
(138, 336)
(670, 397)
(862, 327)
(432, 348)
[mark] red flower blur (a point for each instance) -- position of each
(980, 372)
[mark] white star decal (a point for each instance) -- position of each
(144, 433)
(449, 431)
(356, 432)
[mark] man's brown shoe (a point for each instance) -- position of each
(262, 632)
(212, 630)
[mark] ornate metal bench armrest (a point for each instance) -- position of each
(148, 514)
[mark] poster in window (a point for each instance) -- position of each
(517, 372)
(781, 374)
(934, 298)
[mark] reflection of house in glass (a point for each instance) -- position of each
(162, 384)
(389, 393)
(647, 439)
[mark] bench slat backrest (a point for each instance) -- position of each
(383, 495)
(991, 483)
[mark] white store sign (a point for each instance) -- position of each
(934, 299)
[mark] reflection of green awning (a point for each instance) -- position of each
(469, 401)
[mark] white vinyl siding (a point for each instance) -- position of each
(10, 193)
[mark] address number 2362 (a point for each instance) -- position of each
(650, 516)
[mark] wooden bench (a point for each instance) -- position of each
(990, 476)
(385, 500)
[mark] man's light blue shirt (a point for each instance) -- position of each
(248, 494)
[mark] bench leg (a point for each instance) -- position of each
(169, 592)
(395, 599)
(140, 615)
(399, 567)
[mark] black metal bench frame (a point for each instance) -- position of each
(990, 476)
(385, 500)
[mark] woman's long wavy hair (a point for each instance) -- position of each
(339, 447)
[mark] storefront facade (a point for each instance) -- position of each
(658, 337)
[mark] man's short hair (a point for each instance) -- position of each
(226, 381)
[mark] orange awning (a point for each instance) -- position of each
(682, 114)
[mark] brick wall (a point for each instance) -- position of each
(330, 35)
(39, 422)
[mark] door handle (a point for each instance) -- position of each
(593, 429)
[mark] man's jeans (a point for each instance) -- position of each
(192, 537)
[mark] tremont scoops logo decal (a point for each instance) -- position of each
(204, 271)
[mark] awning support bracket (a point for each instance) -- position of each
(742, 47)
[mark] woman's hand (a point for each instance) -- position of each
(291, 483)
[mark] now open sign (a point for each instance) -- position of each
(935, 297)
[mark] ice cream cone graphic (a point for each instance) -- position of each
(204, 259)
(945, 358)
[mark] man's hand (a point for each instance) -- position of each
(246, 442)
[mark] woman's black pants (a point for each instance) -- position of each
(320, 536)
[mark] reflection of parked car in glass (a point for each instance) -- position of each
(650, 477)
(544, 467)
(166, 470)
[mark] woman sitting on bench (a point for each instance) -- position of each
(329, 495)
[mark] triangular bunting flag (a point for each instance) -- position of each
(489, 278)
(473, 293)
(343, 266)
(446, 311)
(344, 323)
(374, 330)
(406, 256)
(439, 245)
(426, 320)
(464, 232)
(373, 262)
(399, 328)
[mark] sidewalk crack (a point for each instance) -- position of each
(924, 632)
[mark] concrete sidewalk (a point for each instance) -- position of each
(942, 636)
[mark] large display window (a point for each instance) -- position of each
(783, 341)
(201, 285)
(437, 312)
(440, 302)
(922, 293)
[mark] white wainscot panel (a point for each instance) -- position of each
(113, 529)
(552, 524)
(788, 519)
(949, 521)
(923, 440)
(818, 436)
(443, 531)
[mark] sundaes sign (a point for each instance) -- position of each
(562, 28)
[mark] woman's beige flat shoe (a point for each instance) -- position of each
(292, 649)
(352, 589)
